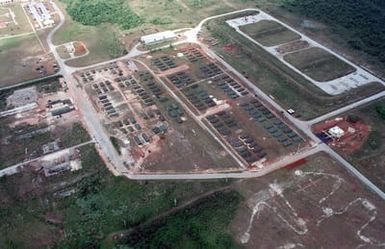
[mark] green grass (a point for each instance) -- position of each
(23, 24)
(269, 33)
(103, 204)
(102, 41)
(319, 64)
(115, 143)
(369, 159)
(18, 48)
(202, 225)
(75, 135)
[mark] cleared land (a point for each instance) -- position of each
(152, 127)
(317, 204)
(289, 89)
(370, 158)
(224, 103)
(269, 33)
(319, 64)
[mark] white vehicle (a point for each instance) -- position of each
(290, 111)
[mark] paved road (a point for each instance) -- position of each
(15, 168)
(88, 113)
(97, 131)
(303, 125)
(346, 108)
(245, 174)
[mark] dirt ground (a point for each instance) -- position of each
(316, 205)
(292, 46)
(209, 85)
(184, 147)
(356, 134)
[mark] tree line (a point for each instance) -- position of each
(361, 23)
(95, 12)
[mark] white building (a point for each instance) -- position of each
(158, 37)
(336, 132)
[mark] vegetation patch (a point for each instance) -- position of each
(381, 110)
(358, 22)
(95, 12)
(35, 216)
(319, 64)
(115, 143)
(269, 33)
(202, 225)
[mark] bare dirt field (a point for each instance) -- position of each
(319, 64)
(314, 205)
(269, 33)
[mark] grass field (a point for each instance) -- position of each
(22, 25)
(24, 51)
(63, 52)
(102, 40)
(269, 33)
(319, 64)
(289, 89)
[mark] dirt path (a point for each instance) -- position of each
(183, 4)
(124, 233)
(229, 4)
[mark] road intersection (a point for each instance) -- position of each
(118, 167)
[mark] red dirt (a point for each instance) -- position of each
(355, 136)
(296, 164)
(3, 25)
(80, 49)
(230, 48)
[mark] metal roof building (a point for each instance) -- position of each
(158, 37)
